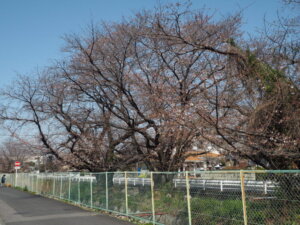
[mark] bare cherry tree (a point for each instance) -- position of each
(146, 89)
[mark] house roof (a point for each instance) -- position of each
(200, 155)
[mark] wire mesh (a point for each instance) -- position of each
(185, 198)
(170, 200)
(215, 198)
(275, 199)
(116, 192)
(99, 191)
(139, 195)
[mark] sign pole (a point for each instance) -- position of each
(16, 180)
(17, 166)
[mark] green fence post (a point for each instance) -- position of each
(69, 192)
(106, 190)
(29, 186)
(46, 184)
(40, 184)
(126, 193)
(53, 185)
(60, 190)
(28, 182)
(243, 197)
(152, 198)
(37, 184)
(16, 178)
(31, 183)
(188, 196)
(91, 189)
(79, 189)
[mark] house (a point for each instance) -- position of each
(201, 160)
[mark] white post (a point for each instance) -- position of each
(265, 187)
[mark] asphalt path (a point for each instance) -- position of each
(22, 208)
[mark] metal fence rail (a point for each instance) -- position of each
(228, 185)
(214, 197)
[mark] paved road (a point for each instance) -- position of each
(21, 208)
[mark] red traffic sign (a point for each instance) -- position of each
(17, 164)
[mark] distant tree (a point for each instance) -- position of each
(12, 151)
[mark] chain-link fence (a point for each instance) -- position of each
(185, 198)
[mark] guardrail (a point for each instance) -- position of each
(74, 177)
(217, 185)
(132, 181)
(228, 185)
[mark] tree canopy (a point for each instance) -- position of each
(150, 87)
